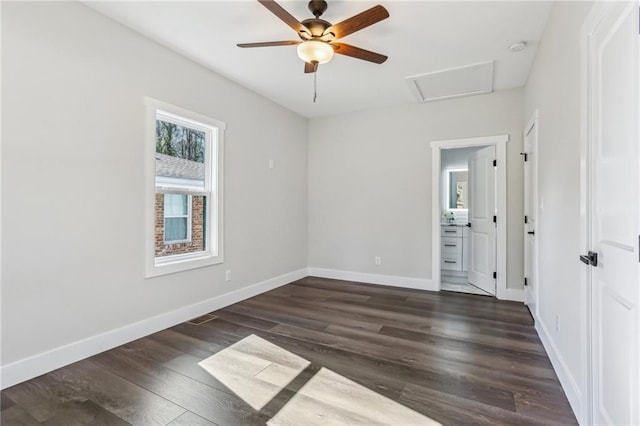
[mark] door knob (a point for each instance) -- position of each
(590, 258)
(531, 232)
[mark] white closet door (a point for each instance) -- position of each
(615, 211)
(530, 211)
(482, 208)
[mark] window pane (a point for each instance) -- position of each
(180, 155)
(169, 230)
(175, 228)
(175, 205)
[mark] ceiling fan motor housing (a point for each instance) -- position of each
(317, 7)
(316, 26)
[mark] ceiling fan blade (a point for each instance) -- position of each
(310, 67)
(358, 22)
(285, 16)
(358, 53)
(269, 43)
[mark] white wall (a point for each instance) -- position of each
(370, 182)
(73, 84)
(554, 88)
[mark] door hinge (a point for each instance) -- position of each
(495, 219)
(526, 219)
(495, 275)
(526, 282)
(495, 163)
(525, 155)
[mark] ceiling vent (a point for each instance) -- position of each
(453, 82)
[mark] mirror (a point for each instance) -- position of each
(457, 191)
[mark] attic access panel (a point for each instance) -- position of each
(468, 80)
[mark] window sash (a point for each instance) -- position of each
(210, 149)
(188, 222)
(162, 186)
(173, 190)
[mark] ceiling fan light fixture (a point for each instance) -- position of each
(315, 51)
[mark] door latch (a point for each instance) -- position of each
(590, 259)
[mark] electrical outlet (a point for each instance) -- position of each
(271, 164)
(228, 275)
(378, 261)
(557, 322)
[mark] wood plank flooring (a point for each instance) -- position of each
(450, 358)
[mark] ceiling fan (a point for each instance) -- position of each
(318, 37)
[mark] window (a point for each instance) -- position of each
(184, 229)
(177, 218)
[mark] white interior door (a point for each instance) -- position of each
(530, 216)
(482, 208)
(615, 196)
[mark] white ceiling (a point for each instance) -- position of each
(419, 37)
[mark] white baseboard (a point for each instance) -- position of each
(568, 382)
(516, 295)
(39, 364)
(390, 280)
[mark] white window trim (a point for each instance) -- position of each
(213, 253)
(188, 215)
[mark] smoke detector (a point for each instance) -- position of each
(518, 46)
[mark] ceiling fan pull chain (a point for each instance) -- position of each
(315, 86)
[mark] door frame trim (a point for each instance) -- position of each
(534, 121)
(500, 143)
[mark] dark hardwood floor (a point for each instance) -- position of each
(458, 359)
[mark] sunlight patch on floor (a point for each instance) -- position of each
(257, 370)
(254, 369)
(331, 399)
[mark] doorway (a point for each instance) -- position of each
(467, 233)
(497, 219)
